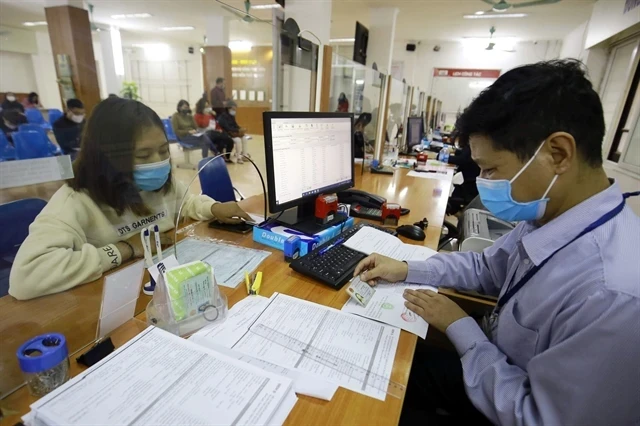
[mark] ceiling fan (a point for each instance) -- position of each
(503, 5)
(492, 44)
(244, 15)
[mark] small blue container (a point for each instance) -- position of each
(44, 361)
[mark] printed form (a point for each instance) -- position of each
(159, 378)
(368, 345)
(369, 240)
(387, 306)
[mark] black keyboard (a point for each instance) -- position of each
(332, 263)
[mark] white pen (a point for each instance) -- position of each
(158, 242)
(146, 245)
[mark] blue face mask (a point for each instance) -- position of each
(149, 177)
(496, 196)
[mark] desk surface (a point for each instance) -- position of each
(75, 313)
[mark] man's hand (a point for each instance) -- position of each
(229, 212)
(378, 266)
(434, 308)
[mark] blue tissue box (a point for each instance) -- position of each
(275, 234)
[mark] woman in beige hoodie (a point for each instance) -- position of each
(122, 183)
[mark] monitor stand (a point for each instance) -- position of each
(303, 219)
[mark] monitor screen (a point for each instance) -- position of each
(307, 154)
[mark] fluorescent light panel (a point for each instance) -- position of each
(342, 40)
(185, 28)
(265, 6)
(132, 16)
(491, 16)
(116, 48)
(34, 23)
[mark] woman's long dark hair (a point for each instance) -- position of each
(104, 168)
(180, 103)
(201, 105)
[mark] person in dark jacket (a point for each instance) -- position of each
(218, 97)
(68, 128)
(230, 126)
(361, 145)
(467, 190)
(10, 103)
(10, 121)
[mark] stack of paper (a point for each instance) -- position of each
(369, 240)
(159, 378)
(363, 344)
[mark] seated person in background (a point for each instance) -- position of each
(10, 121)
(32, 101)
(562, 345)
(361, 145)
(68, 128)
(343, 103)
(206, 121)
(467, 190)
(122, 183)
(229, 125)
(10, 103)
(185, 128)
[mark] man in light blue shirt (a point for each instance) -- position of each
(562, 346)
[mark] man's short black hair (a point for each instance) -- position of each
(527, 104)
(74, 103)
(219, 80)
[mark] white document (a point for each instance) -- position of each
(369, 240)
(367, 345)
(387, 306)
(159, 378)
(229, 262)
(257, 218)
(445, 175)
(119, 295)
(38, 170)
(221, 336)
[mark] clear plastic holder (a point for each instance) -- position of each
(160, 311)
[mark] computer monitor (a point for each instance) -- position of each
(307, 154)
(415, 130)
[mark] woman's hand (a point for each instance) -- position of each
(134, 242)
(229, 212)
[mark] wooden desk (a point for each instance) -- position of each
(75, 313)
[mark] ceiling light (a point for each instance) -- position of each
(342, 40)
(186, 28)
(359, 81)
(480, 12)
(240, 46)
(265, 6)
(500, 43)
(116, 49)
(502, 15)
(34, 23)
(132, 16)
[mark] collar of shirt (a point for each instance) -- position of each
(541, 242)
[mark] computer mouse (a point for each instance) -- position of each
(412, 232)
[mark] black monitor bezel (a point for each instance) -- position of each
(267, 116)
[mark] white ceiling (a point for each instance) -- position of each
(417, 19)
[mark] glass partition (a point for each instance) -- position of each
(299, 68)
(456, 93)
(395, 118)
(356, 88)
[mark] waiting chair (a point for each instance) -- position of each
(15, 218)
(216, 182)
(55, 150)
(171, 136)
(34, 116)
(54, 115)
(7, 151)
(31, 144)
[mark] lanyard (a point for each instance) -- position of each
(601, 221)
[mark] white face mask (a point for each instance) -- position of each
(11, 98)
(207, 110)
(232, 112)
(77, 118)
(11, 126)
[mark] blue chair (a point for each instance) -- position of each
(169, 130)
(7, 152)
(15, 218)
(34, 116)
(31, 144)
(216, 182)
(54, 115)
(55, 150)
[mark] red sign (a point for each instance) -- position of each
(466, 73)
